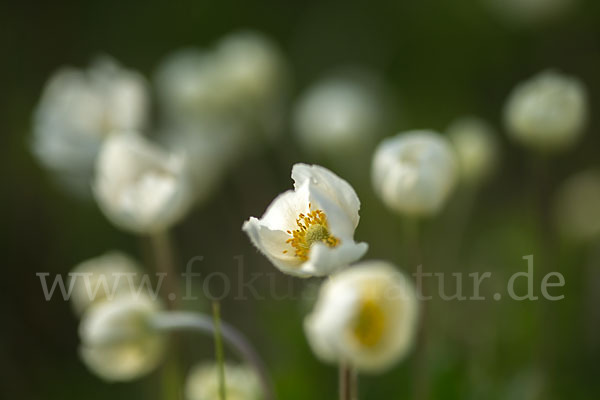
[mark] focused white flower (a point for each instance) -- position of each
(78, 109)
(118, 340)
(241, 383)
(103, 278)
(547, 112)
(414, 172)
(365, 316)
(577, 206)
(340, 114)
(476, 148)
(309, 231)
(139, 186)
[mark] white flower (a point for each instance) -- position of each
(78, 109)
(103, 278)
(118, 341)
(309, 231)
(577, 206)
(547, 112)
(365, 316)
(340, 114)
(414, 172)
(140, 187)
(244, 78)
(476, 148)
(241, 383)
(188, 83)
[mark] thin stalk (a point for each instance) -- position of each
(182, 320)
(219, 349)
(165, 264)
(344, 382)
(164, 261)
(413, 240)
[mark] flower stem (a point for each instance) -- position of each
(348, 382)
(175, 320)
(165, 264)
(216, 309)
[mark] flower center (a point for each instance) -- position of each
(369, 323)
(312, 228)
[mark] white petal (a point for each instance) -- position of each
(324, 260)
(335, 187)
(272, 243)
(283, 211)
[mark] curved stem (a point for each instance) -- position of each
(170, 320)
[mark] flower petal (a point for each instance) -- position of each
(272, 243)
(332, 185)
(283, 211)
(325, 260)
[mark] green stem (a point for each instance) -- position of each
(219, 349)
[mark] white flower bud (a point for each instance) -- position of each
(253, 68)
(414, 172)
(547, 112)
(366, 316)
(577, 208)
(341, 114)
(139, 186)
(241, 383)
(244, 78)
(118, 340)
(103, 278)
(476, 148)
(78, 109)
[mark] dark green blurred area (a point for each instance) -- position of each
(444, 59)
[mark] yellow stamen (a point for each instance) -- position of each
(369, 323)
(312, 228)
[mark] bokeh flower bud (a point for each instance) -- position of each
(241, 383)
(118, 340)
(103, 278)
(414, 172)
(548, 112)
(342, 113)
(77, 110)
(476, 148)
(577, 206)
(139, 186)
(365, 316)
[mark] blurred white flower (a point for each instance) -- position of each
(118, 341)
(241, 383)
(577, 206)
(414, 172)
(309, 231)
(139, 186)
(547, 112)
(476, 148)
(365, 316)
(528, 12)
(78, 109)
(255, 77)
(103, 278)
(342, 113)
(244, 78)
